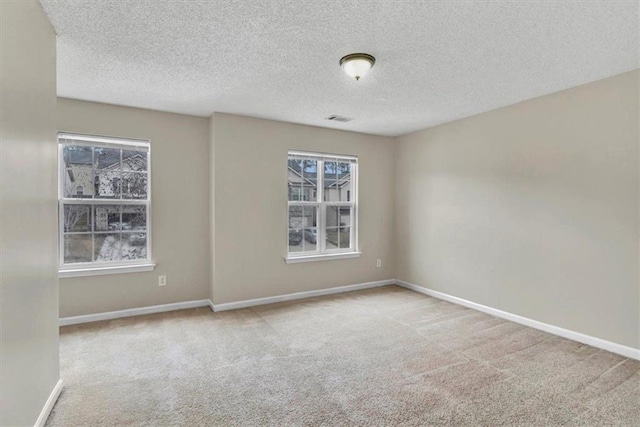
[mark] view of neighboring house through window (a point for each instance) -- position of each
(104, 201)
(322, 217)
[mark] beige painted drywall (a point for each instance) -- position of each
(531, 209)
(179, 203)
(212, 199)
(251, 208)
(28, 276)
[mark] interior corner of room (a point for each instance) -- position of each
(527, 211)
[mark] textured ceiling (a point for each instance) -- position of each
(437, 61)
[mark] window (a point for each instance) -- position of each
(104, 203)
(322, 213)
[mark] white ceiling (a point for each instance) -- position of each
(437, 61)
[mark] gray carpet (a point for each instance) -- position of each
(380, 357)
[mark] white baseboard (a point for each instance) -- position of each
(299, 295)
(48, 406)
(620, 349)
(74, 320)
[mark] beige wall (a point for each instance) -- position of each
(251, 208)
(212, 210)
(179, 203)
(28, 275)
(531, 209)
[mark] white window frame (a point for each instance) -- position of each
(322, 252)
(109, 267)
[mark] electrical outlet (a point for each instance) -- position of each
(162, 280)
(379, 263)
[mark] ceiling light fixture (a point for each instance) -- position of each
(357, 65)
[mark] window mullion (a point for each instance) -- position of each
(321, 210)
(92, 214)
(354, 201)
(60, 233)
(319, 229)
(344, 204)
(351, 228)
(320, 180)
(120, 233)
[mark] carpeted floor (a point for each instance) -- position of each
(385, 356)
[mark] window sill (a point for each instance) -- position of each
(324, 257)
(99, 271)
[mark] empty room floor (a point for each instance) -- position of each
(383, 356)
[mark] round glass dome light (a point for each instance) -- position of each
(357, 65)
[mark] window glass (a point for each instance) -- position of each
(77, 218)
(77, 248)
(294, 179)
(133, 160)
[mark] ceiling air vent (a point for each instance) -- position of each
(336, 118)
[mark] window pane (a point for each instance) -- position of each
(302, 228)
(338, 216)
(310, 239)
(78, 172)
(77, 218)
(337, 184)
(134, 160)
(295, 240)
(296, 217)
(343, 182)
(310, 218)
(108, 176)
(107, 159)
(134, 185)
(333, 216)
(295, 193)
(77, 248)
(310, 180)
(107, 184)
(332, 238)
(345, 216)
(344, 237)
(330, 182)
(338, 238)
(106, 247)
(134, 218)
(330, 169)
(134, 246)
(331, 193)
(107, 218)
(309, 224)
(295, 179)
(296, 225)
(78, 182)
(75, 155)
